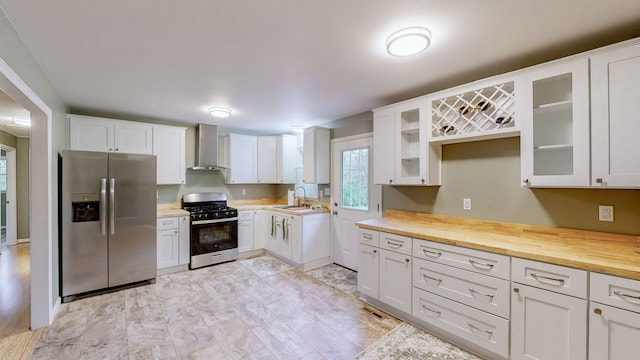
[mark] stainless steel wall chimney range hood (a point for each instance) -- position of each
(207, 148)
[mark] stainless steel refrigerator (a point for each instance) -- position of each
(107, 216)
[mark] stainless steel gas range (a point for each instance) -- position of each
(214, 229)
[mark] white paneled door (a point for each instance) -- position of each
(354, 197)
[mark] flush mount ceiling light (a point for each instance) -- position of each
(220, 112)
(408, 41)
(20, 122)
(297, 129)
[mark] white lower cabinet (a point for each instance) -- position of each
(368, 268)
(245, 231)
(172, 242)
(549, 314)
(259, 230)
(478, 327)
(614, 318)
(302, 240)
(395, 280)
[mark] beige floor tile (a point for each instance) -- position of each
(190, 335)
(236, 339)
(329, 343)
(282, 341)
(164, 351)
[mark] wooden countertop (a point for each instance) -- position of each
(167, 213)
(607, 253)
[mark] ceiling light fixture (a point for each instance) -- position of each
(297, 129)
(220, 112)
(20, 122)
(409, 41)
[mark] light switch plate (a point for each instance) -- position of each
(466, 204)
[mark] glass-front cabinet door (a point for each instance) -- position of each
(554, 143)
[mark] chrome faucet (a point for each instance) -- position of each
(304, 194)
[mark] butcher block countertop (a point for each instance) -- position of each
(607, 253)
(167, 213)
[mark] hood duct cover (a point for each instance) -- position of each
(207, 148)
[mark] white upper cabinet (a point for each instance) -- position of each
(169, 148)
(615, 124)
(89, 133)
(400, 150)
(384, 146)
(316, 155)
(411, 143)
(241, 159)
(267, 160)
(287, 158)
(555, 125)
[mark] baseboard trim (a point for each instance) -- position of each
(25, 240)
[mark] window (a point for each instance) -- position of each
(355, 179)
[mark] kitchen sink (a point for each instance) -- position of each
(292, 207)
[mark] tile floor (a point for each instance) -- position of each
(257, 308)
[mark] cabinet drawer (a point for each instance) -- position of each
(473, 260)
(479, 291)
(483, 329)
(168, 223)
(369, 237)
(398, 243)
(615, 291)
(556, 278)
(245, 215)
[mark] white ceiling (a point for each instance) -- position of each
(283, 62)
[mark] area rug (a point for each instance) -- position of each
(408, 342)
(337, 277)
(265, 265)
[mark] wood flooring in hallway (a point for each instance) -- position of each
(14, 290)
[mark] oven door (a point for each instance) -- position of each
(209, 236)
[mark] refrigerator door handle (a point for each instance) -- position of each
(103, 206)
(112, 208)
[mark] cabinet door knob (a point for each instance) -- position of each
(525, 181)
(110, 149)
(599, 181)
(423, 181)
(116, 149)
(390, 181)
(407, 260)
(516, 290)
(375, 251)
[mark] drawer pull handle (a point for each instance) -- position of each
(394, 245)
(626, 296)
(431, 310)
(435, 254)
(368, 237)
(432, 278)
(597, 311)
(472, 290)
(548, 280)
(480, 265)
(490, 332)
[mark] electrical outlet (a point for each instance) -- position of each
(466, 204)
(605, 213)
(327, 191)
(244, 191)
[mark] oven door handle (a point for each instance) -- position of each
(204, 222)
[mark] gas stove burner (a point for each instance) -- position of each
(208, 206)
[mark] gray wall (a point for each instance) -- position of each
(489, 173)
(22, 187)
(17, 56)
